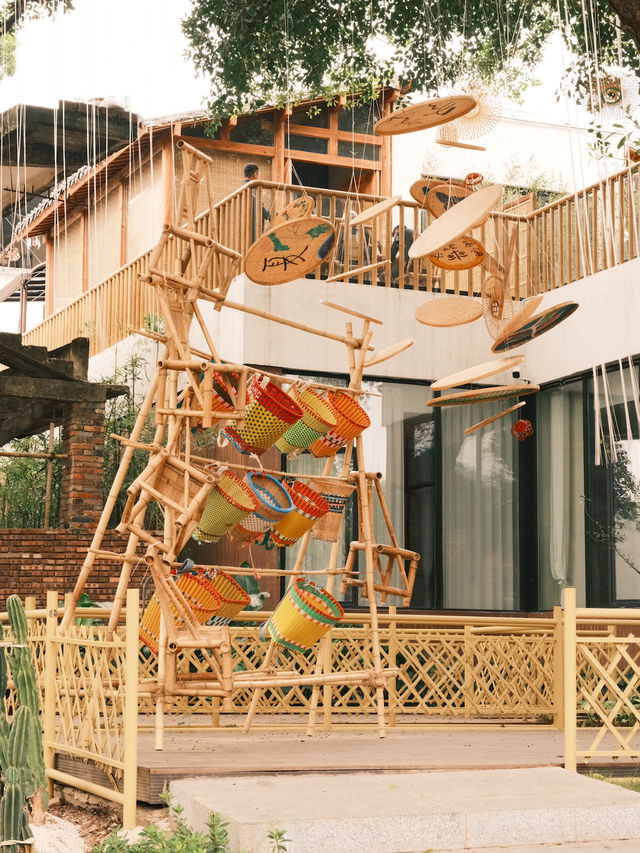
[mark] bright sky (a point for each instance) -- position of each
(130, 49)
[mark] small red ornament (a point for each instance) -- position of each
(473, 179)
(522, 429)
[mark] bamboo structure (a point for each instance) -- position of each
(206, 499)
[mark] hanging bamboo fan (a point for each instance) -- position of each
(448, 135)
(498, 308)
(483, 395)
(299, 209)
(493, 418)
(425, 114)
(614, 93)
(475, 374)
(421, 188)
(522, 330)
(389, 352)
(444, 196)
(462, 217)
(477, 122)
(375, 210)
(449, 311)
(461, 254)
(289, 250)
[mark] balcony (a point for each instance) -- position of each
(565, 241)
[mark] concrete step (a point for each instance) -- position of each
(412, 812)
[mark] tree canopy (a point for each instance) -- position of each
(267, 52)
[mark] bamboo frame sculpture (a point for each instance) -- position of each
(186, 266)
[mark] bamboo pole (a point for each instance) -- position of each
(108, 507)
(570, 674)
(130, 714)
(49, 696)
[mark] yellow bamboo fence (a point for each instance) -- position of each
(601, 683)
(578, 668)
(578, 235)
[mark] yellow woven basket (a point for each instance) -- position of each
(230, 501)
(270, 413)
(317, 419)
(305, 613)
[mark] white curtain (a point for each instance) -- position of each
(561, 531)
(479, 512)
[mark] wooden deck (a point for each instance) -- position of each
(197, 753)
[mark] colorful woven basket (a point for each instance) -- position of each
(203, 600)
(270, 412)
(317, 419)
(305, 613)
(308, 507)
(230, 501)
(233, 598)
(336, 494)
(274, 502)
(352, 420)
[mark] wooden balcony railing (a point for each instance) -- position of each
(578, 235)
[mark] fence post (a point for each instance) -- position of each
(130, 713)
(49, 692)
(393, 656)
(569, 646)
(558, 669)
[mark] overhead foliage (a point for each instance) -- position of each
(12, 12)
(267, 52)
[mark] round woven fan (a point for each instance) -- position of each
(448, 135)
(613, 93)
(478, 121)
(497, 307)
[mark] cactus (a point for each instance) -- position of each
(21, 756)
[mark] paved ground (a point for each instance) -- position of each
(413, 812)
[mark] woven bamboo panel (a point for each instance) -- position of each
(608, 695)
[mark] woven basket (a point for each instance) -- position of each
(270, 412)
(230, 501)
(308, 507)
(233, 598)
(273, 501)
(336, 494)
(305, 613)
(352, 420)
(203, 600)
(317, 419)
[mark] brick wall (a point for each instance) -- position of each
(35, 560)
(82, 471)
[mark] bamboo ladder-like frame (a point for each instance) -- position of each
(184, 267)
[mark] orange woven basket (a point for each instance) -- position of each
(202, 598)
(308, 507)
(351, 421)
(233, 598)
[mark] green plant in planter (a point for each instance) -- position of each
(21, 759)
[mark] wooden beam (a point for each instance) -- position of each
(30, 361)
(48, 282)
(32, 388)
(124, 220)
(84, 242)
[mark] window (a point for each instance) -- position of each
(252, 130)
(358, 150)
(612, 507)
(308, 143)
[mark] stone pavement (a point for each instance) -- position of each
(412, 812)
